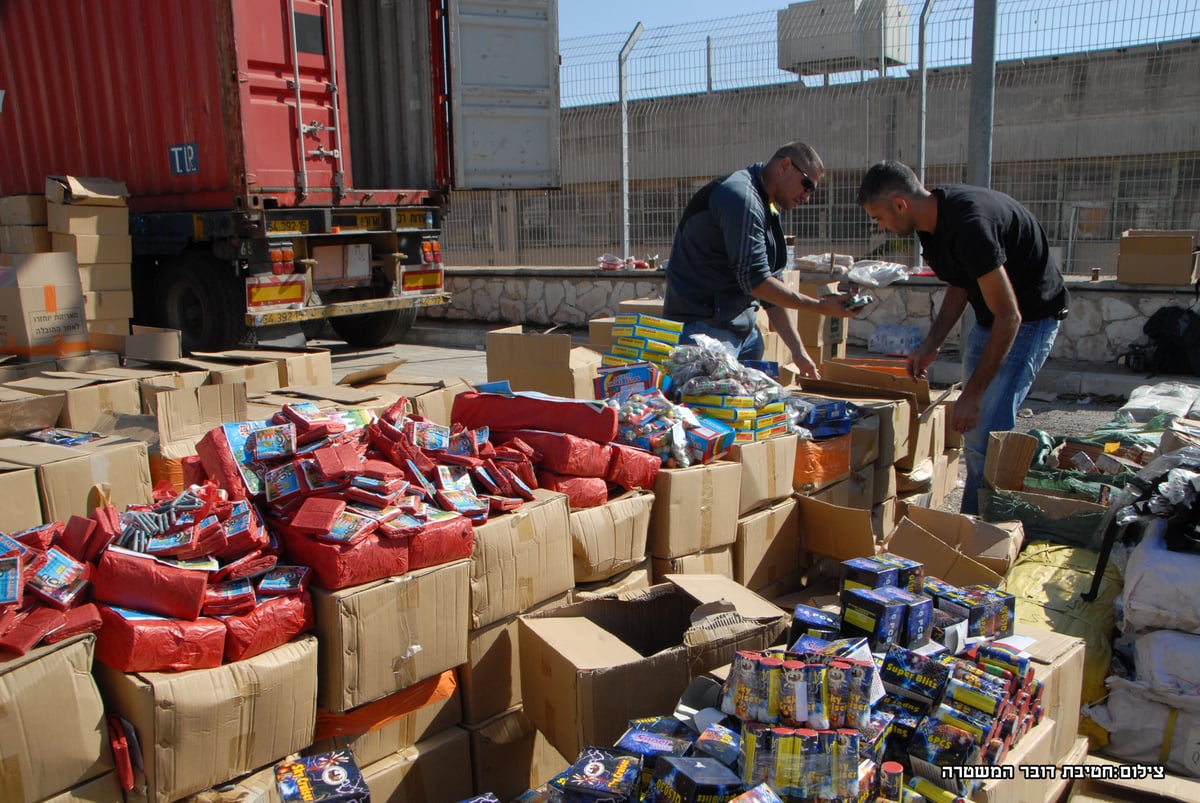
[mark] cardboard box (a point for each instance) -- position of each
(259, 376)
(98, 790)
(712, 561)
(820, 463)
(186, 415)
(611, 538)
(297, 368)
(25, 239)
(600, 335)
(257, 787)
(768, 546)
(431, 398)
(95, 360)
(835, 532)
(86, 190)
(80, 219)
(108, 305)
(118, 327)
(370, 633)
(19, 490)
(23, 210)
(1058, 662)
(68, 475)
(1151, 790)
(767, 469)
(147, 343)
(894, 408)
(48, 746)
(24, 412)
(941, 559)
(886, 484)
(433, 770)
(643, 306)
(91, 248)
(1033, 749)
(635, 579)
(105, 276)
(87, 397)
(587, 668)
(521, 559)
(510, 756)
(695, 509)
(41, 306)
(860, 489)
(549, 363)
(204, 726)
(992, 544)
(883, 517)
(1145, 256)
(397, 734)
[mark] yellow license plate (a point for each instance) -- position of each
(287, 226)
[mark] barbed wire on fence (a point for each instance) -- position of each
(1096, 121)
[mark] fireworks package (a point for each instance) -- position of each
(631, 467)
(693, 780)
(129, 579)
(563, 453)
(600, 774)
(809, 621)
(873, 615)
(581, 491)
(337, 565)
(331, 777)
(499, 411)
(133, 641)
(910, 674)
(272, 622)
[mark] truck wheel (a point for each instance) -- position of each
(205, 305)
(376, 328)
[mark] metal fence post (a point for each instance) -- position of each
(983, 94)
(622, 59)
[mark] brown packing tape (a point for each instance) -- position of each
(12, 785)
(772, 491)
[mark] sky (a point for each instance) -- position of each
(587, 17)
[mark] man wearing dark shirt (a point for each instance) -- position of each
(728, 253)
(993, 254)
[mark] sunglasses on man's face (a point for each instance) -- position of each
(807, 183)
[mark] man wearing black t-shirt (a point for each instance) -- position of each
(993, 254)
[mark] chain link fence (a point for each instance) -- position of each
(1096, 124)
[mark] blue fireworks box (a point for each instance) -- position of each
(868, 613)
(809, 621)
(693, 780)
(322, 778)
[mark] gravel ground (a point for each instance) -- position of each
(1057, 416)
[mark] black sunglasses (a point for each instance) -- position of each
(807, 183)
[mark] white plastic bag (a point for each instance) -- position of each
(1160, 585)
(875, 273)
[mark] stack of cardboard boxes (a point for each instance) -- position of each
(88, 217)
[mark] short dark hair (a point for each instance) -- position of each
(888, 178)
(798, 152)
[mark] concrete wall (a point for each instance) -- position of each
(1106, 316)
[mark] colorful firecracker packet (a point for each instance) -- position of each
(273, 442)
(284, 580)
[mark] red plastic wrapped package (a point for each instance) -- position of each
(133, 580)
(41, 537)
(76, 535)
(632, 467)
(498, 411)
(130, 641)
(219, 463)
(273, 622)
(580, 491)
(563, 453)
(249, 565)
(29, 628)
(84, 619)
(440, 540)
(343, 565)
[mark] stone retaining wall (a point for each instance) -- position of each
(1106, 316)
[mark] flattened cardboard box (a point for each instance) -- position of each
(66, 474)
(204, 726)
(19, 490)
(297, 368)
(490, 679)
(48, 746)
(397, 734)
(992, 544)
(587, 668)
(768, 545)
(712, 561)
(610, 538)
(635, 579)
(431, 770)
(547, 363)
(509, 755)
(695, 509)
(767, 469)
(85, 190)
(259, 377)
(521, 559)
(380, 637)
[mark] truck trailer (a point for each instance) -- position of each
(287, 161)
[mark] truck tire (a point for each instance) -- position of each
(376, 328)
(197, 297)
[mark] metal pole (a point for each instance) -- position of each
(708, 62)
(621, 60)
(922, 109)
(983, 94)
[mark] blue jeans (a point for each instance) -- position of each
(749, 347)
(1004, 395)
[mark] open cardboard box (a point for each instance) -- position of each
(589, 667)
(549, 363)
